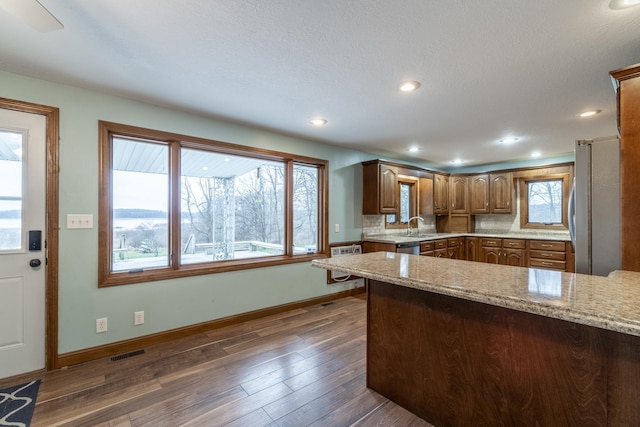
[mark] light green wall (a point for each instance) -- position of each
(174, 303)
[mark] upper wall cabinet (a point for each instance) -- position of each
(440, 194)
(502, 193)
(492, 193)
(627, 83)
(425, 205)
(459, 194)
(479, 189)
(379, 188)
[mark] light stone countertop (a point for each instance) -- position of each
(611, 303)
(402, 238)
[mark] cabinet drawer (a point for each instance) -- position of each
(494, 243)
(544, 255)
(427, 246)
(453, 242)
(440, 244)
(548, 245)
(513, 243)
(540, 263)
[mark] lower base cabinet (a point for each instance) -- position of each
(545, 254)
(503, 251)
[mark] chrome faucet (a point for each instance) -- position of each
(409, 225)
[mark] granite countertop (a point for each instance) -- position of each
(605, 302)
(403, 238)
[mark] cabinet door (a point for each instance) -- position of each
(490, 255)
(440, 194)
(628, 79)
(502, 192)
(479, 189)
(388, 189)
(471, 248)
(440, 253)
(459, 194)
(425, 192)
(514, 257)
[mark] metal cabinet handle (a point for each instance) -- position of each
(546, 255)
(546, 263)
(544, 245)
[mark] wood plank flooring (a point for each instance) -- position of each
(305, 367)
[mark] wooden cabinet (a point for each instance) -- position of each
(548, 254)
(388, 189)
(425, 196)
(503, 251)
(472, 248)
(479, 192)
(379, 188)
(426, 248)
(627, 82)
(435, 248)
(490, 250)
(378, 247)
(459, 194)
(440, 194)
(502, 193)
(492, 193)
(455, 248)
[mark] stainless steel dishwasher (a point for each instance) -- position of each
(408, 248)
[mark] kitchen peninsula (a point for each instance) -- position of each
(467, 343)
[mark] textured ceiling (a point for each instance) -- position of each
(489, 68)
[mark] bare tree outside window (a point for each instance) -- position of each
(545, 201)
(305, 209)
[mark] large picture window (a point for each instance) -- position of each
(173, 205)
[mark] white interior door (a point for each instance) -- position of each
(22, 262)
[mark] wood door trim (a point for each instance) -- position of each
(52, 116)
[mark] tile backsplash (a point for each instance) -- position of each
(487, 224)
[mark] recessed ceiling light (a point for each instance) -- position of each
(536, 154)
(509, 140)
(457, 161)
(318, 122)
(623, 4)
(409, 86)
(413, 149)
(589, 113)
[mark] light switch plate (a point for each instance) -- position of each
(79, 221)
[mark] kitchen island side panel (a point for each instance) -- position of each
(458, 362)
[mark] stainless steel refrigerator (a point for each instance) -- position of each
(594, 206)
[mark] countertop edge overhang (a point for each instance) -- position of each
(609, 303)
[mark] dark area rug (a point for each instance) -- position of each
(17, 404)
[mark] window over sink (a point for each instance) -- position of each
(407, 202)
(544, 201)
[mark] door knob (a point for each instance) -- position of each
(34, 263)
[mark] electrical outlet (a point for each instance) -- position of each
(101, 325)
(138, 318)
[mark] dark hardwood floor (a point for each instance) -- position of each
(305, 367)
